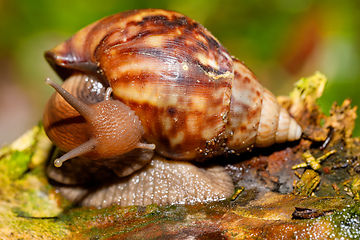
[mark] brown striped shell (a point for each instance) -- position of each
(193, 99)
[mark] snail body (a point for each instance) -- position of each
(193, 100)
(107, 138)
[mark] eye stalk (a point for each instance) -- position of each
(115, 129)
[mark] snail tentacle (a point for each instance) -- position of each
(78, 151)
(81, 107)
(108, 92)
(146, 145)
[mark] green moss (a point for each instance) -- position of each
(346, 222)
(27, 202)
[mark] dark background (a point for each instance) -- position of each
(279, 40)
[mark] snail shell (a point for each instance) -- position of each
(192, 98)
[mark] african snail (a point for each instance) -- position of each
(180, 91)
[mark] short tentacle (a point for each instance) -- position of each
(78, 151)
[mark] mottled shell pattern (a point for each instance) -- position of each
(193, 99)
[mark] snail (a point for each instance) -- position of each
(182, 99)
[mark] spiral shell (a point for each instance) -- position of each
(192, 97)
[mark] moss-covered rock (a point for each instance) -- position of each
(275, 199)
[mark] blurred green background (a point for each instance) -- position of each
(279, 40)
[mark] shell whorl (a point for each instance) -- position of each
(276, 125)
(255, 118)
